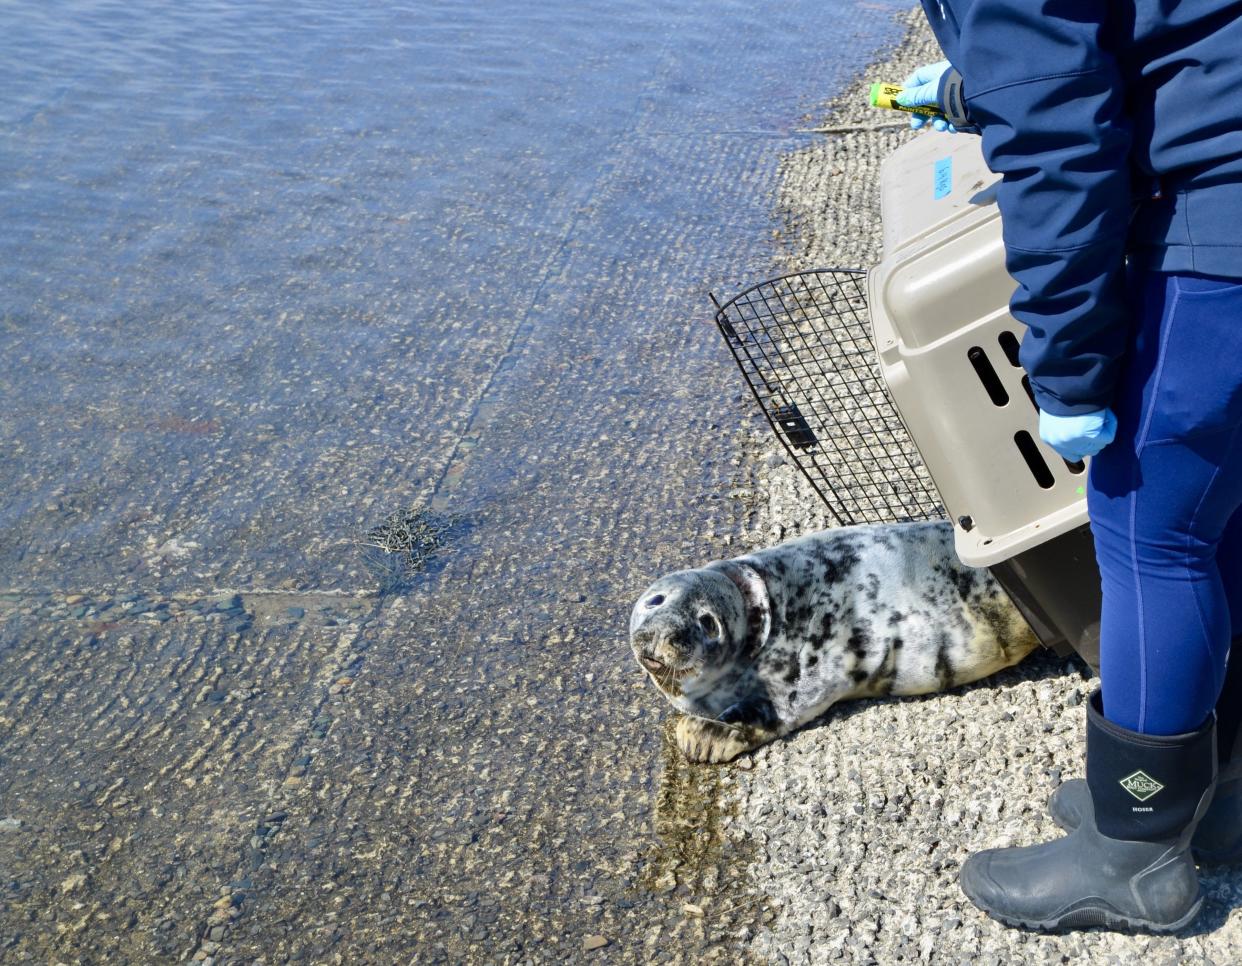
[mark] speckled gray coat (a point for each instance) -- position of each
(754, 647)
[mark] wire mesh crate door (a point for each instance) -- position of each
(803, 343)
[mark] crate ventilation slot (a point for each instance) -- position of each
(987, 375)
(1034, 459)
(1026, 384)
(1009, 345)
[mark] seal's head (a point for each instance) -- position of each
(691, 624)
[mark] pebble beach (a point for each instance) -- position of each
(862, 819)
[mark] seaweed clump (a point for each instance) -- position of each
(401, 547)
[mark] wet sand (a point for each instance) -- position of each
(268, 311)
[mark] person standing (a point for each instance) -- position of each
(1116, 127)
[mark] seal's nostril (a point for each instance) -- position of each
(655, 601)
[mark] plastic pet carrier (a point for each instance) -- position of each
(899, 395)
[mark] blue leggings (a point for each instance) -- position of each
(1163, 500)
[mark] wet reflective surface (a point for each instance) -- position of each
(273, 273)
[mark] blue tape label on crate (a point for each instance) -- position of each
(942, 178)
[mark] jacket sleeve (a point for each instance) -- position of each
(1050, 101)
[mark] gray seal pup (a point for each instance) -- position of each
(754, 647)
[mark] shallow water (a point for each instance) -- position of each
(270, 273)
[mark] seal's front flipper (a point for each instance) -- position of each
(714, 742)
(750, 711)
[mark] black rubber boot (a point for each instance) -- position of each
(1218, 837)
(1127, 864)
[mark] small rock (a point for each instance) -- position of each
(75, 598)
(594, 942)
(74, 882)
(10, 824)
(691, 909)
(297, 613)
(232, 602)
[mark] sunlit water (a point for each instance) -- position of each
(269, 272)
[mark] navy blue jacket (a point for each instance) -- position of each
(1117, 128)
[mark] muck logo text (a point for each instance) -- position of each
(1141, 785)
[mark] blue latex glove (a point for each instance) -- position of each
(1076, 437)
(922, 89)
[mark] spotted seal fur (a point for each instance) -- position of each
(754, 647)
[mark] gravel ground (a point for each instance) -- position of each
(862, 820)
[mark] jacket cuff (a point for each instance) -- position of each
(1049, 403)
(953, 101)
(1058, 408)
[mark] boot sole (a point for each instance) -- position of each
(1087, 917)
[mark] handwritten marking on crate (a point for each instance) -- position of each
(942, 178)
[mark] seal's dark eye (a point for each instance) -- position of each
(710, 625)
(655, 601)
